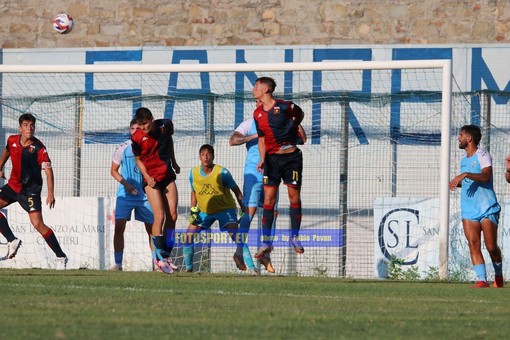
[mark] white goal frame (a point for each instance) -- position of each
(446, 90)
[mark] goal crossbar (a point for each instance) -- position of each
(241, 67)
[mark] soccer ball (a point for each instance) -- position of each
(63, 23)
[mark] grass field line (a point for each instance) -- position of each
(237, 293)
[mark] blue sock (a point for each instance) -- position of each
(244, 223)
(118, 257)
(480, 272)
(498, 268)
(244, 228)
(247, 257)
(187, 252)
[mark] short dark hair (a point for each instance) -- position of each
(207, 147)
(26, 117)
(269, 82)
(143, 114)
(133, 122)
(473, 131)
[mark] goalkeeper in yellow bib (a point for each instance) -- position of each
(211, 200)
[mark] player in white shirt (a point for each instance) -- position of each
(130, 196)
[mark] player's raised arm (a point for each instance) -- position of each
(238, 138)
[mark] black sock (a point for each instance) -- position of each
(5, 230)
(295, 219)
(52, 241)
(267, 224)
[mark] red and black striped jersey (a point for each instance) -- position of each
(27, 163)
(277, 125)
(153, 148)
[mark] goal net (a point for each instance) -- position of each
(376, 162)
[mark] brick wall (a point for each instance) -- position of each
(27, 23)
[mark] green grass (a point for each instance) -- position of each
(79, 304)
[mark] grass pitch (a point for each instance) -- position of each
(79, 304)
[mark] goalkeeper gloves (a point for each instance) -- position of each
(193, 215)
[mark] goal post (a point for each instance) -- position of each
(366, 121)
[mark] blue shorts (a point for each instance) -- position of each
(224, 218)
(494, 217)
(253, 192)
(142, 208)
(491, 214)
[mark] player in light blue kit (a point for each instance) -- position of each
(253, 192)
(479, 206)
(253, 188)
(130, 196)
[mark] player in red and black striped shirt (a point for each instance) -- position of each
(153, 148)
(28, 157)
(277, 124)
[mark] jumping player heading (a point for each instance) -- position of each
(153, 148)
(277, 124)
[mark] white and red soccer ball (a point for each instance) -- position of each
(63, 23)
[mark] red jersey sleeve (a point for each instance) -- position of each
(42, 156)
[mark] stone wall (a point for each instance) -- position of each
(101, 23)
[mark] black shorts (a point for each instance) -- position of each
(161, 186)
(29, 202)
(287, 167)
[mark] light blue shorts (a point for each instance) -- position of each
(253, 191)
(492, 214)
(124, 207)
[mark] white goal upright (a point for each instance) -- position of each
(376, 162)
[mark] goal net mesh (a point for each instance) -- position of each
(373, 143)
